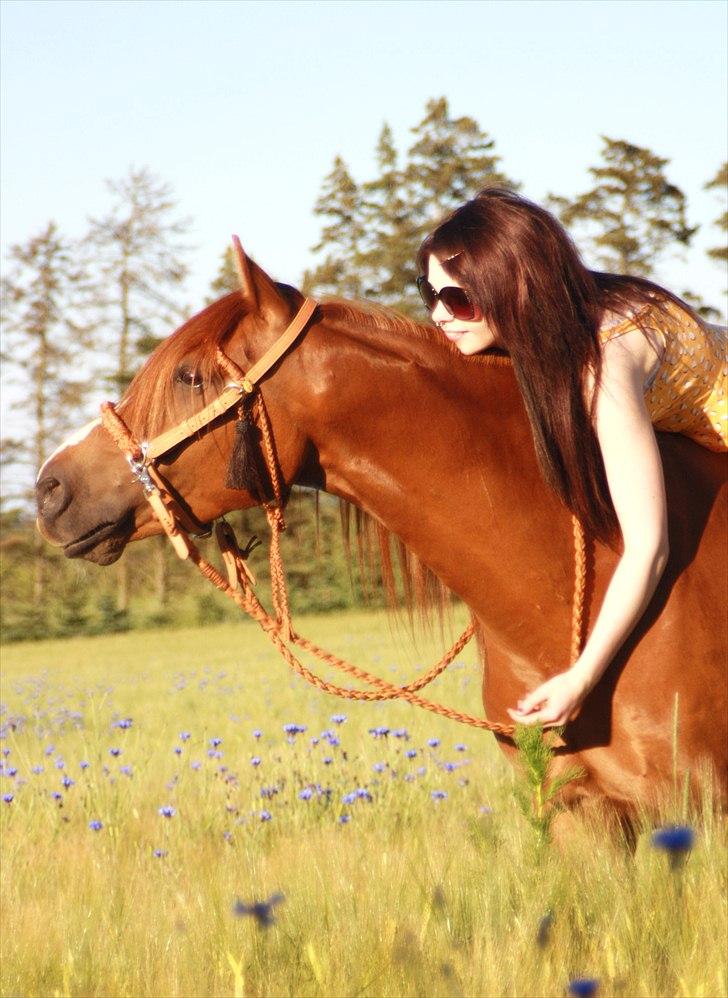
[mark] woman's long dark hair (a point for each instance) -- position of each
(520, 266)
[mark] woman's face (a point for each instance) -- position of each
(469, 337)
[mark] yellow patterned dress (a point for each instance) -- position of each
(688, 391)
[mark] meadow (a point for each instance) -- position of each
(182, 816)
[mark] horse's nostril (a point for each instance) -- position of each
(51, 497)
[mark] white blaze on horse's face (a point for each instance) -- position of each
(468, 337)
(74, 439)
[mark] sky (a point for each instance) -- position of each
(241, 107)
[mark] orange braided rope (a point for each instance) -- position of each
(280, 629)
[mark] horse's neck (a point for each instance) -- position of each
(441, 454)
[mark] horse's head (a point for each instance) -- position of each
(88, 500)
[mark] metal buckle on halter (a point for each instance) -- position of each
(139, 469)
(245, 387)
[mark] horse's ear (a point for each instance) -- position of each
(258, 291)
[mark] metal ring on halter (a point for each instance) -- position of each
(140, 470)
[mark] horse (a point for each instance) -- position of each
(436, 448)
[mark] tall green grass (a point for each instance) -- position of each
(432, 887)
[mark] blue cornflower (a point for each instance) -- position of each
(95, 825)
(379, 767)
(123, 722)
(314, 740)
(115, 752)
(433, 742)
(421, 770)
(167, 811)
(409, 778)
(8, 798)
(305, 794)
(59, 763)
(37, 770)
(343, 818)
(67, 782)
(214, 753)
(333, 740)
(177, 750)
(195, 764)
(83, 764)
(401, 733)
(184, 736)
(10, 771)
(380, 732)
(338, 718)
(265, 815)
(256, 760)
(450, 767)
(6, 752)
(160, 853)
(56, 795)
(49, 749)
(676, 840)
(294, 729)
(268, 791)
(583, 987)
(327, 760)
(461, 748)
(363, 794)
(228, 836)
(411, 753)
(438, 794)
(257, 733)
(262, 911)
(126, 770)
(215, 742)
(484, 809)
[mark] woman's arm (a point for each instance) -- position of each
(634, 473)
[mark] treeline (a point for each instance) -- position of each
(79, 317)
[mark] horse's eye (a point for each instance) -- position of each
(190, 377)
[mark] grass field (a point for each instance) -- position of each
(149, 786)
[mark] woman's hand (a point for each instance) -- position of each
(554, 702)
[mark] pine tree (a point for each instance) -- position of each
(633, 214)
(139, 272)
(43, 335)
(227, 279)
(137, 250)
(720, 183)
(375, 229)
(341, 239)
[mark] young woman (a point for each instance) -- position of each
(602, 360)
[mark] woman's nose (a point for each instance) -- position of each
(440, 313)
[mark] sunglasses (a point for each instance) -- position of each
(455, 300)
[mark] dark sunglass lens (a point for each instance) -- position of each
(427, 293)
(456, 301)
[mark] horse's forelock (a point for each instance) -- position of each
(151, 403)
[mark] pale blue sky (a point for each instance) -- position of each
(241, 107)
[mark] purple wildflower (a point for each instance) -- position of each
(215, 742)
(261, 911)
(184, 736)
(67, 782)
(343, 818)
(95, 825)
(126, 770)
(338, 718)
(160, 853)
(37, 770)
(411, 753)
(433, 742)
(327, 760)
(59, 763)
(257, 733)
(8, 798)
(305, 794)
(379, 767)
(115, 752)
(167, 811)
(380, 732)
(439, 794)
(83, 764)
(256, 760)
(461, 748)
(123, 722)
(177, 750)
(294, 729)
(265, 815)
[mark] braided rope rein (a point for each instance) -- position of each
(279, 628)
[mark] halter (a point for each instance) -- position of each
(178, 521)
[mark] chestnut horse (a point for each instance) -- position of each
(436, 447)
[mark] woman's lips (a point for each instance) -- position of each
(454, 334)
